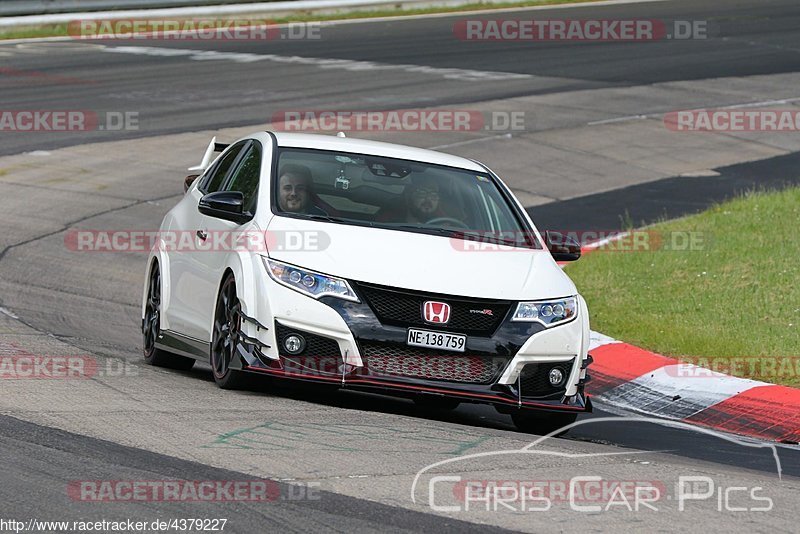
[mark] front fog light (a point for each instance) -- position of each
(549, 312)
(556, 377)
(294, 344)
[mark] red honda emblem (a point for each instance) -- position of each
(436, 312)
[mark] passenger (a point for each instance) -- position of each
(422, 201)
(295, 190)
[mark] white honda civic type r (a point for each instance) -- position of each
(368, 266)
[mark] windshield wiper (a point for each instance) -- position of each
(432, 229)
(467, 235)
(330, 218)
(471, 235)
(325, 217)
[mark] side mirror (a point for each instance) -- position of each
(562, 247)
(227, 205)
(187, 183)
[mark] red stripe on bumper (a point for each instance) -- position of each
(397, 385)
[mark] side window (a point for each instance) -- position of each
(246, 176)
(213, 182)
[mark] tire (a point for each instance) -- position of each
(227, 325)
(436, 403)
(151, 327)
(541, 423)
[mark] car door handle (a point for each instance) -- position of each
(202, 234)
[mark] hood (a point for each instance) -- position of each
(415, 261)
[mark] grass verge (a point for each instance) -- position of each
(731, 302)
(61, 30)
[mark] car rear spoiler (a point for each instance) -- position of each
(208, 157)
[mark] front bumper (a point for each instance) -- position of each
(353, 349)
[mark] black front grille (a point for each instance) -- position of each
(479, 317)
(413, 362)
(320, 356)
(535, 382)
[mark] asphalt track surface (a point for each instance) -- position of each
(669, 198)
(174, 95)
(38, 459)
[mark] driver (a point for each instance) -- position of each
(295, 190)
(422, 203)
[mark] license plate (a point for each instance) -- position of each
(436, 340)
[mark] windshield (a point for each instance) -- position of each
(396, 194)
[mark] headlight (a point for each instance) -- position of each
(309, 283)
(547, 312)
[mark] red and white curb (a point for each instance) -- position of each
(632, 379)
(636, 380)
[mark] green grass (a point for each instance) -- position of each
(60, 30)
(737, 296)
